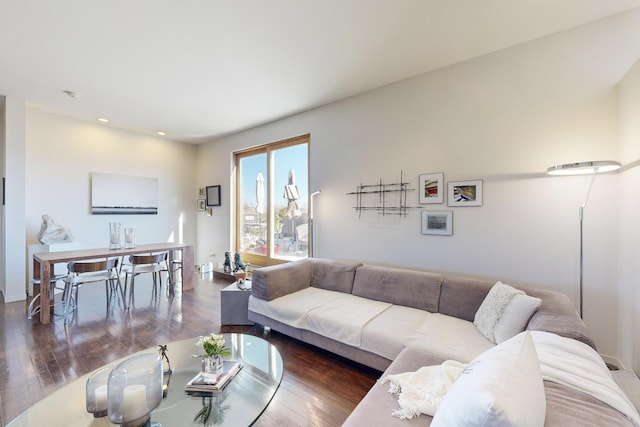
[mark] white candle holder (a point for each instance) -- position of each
(129, 238)
(135, 389)
(96, 392)
(114, 235)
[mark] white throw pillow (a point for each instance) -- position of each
(516, 316)
(500, 388)
(492, 307)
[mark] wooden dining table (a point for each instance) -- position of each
(43, 265)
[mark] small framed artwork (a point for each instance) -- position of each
(465, 193)
(201, 205)
(431, 187)
(437, 222)
(213, 195)
(201, 193)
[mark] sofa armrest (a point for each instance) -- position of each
(558, 315)
(565, 325)
(272, 282)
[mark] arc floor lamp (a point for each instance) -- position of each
(584, 168)
(311, 215)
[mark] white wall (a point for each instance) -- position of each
(503, 118)
(61, 155)
(629, 227)
(14, 209)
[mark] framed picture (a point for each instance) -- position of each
(437, 222)
(465, 193)
(123, 195)
(431, 187)
(213, 195)
(201, 193)
(201, 205)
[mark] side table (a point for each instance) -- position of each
(234, 304)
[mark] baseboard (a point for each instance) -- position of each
(613, 362)
(13, 298)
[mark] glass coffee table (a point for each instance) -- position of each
(240, 403)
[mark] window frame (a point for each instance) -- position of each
(268, 149)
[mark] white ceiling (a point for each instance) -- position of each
(200, 69)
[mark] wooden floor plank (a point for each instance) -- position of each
(318, 388)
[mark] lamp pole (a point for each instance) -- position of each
(581, 215)
(583, 168)
(315, 193)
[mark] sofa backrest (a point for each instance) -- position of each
(462, 296)
(417, 289)
(333, 275)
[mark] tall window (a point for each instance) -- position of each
(272, 194)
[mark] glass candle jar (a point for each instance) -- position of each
(129, 238)
(114, 235)
(96, 392)
(135, 389)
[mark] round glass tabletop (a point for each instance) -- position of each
(240, 402)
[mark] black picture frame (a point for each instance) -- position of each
(213, 195)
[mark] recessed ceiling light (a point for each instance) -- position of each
(161, 133)
(103, 120)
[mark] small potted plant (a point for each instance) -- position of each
(214, 349)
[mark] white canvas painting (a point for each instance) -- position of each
(121, 194)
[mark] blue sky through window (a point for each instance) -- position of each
(294, 157)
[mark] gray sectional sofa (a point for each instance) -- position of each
(397, 320)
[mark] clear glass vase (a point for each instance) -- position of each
(212, 366)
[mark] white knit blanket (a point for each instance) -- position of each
(574, 364)
(422, 391)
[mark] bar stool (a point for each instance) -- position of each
(81, 273)
(35, 309)
(175, 266)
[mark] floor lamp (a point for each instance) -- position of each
(315, 193)
(583, 168)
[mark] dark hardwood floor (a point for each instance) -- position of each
(318, 388)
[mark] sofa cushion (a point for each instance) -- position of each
(393, 330)
(344, 319)
(332, 314)
(333, 275)
(450, 338)
(501, 387)
(461, 296)
(492, 308)
(417, 289)
(272, 282)
(291, 309)
(516, 316)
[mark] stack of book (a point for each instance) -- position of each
(205, 383)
